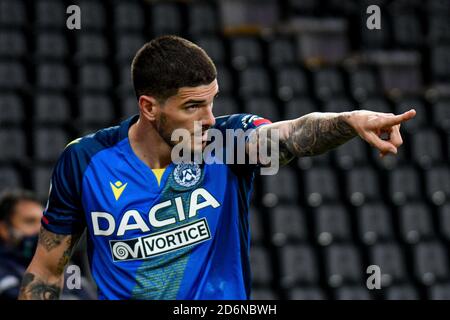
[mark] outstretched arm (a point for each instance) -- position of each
(43, 280)
(318, 132)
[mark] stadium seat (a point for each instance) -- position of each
(351, 154)
(291, 82)
(40, 179)
(214, 47)
(91, 46)
(374, 223)
(328, 83)
(389, 257)
(331, 224)
(320, 186)
(343, 264)
(52, 45)
(262, 270)
(402, 292)
(128, 106)
(427, 148)
(203, 18)
(55, 76)
(310, 293)
(430, 262)
(404, 185)
(437, 183)
(263, 107)
(279, 188)
(306, 163)
(127, 44)
(12, 44)
(298, 265)
(363, 83)
(338, 104)
(352, 293)
(51, 14)
(94, 16)
(224, 105)
(9, 178)
(287, 224)
(13, 13)
(49, 143)
(440, 62)
(362, 185)
(129, 16)
(245, 52)
(281, 52)
(441, 115)
(407, 31)
(96, 109)
(12, 75)
(12, 109)
(263, 294)
(376, 104)
(415, 222)
(298, 107)
(437, 6)
(439, 292)
(444, 220)
(95, 77)
(14, 145)
(439, 28)
(224, 79)
(165, 18)
(52, 108)
(256, 226)
(254, 82)
(373, 39)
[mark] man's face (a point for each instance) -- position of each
(181, 111)
(26, 219)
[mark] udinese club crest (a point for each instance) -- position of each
(187, 174)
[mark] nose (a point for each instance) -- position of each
(209, 120)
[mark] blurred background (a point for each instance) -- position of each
(319, 223)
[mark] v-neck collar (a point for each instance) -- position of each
(136, 161)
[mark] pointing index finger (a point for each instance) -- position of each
(399, 118)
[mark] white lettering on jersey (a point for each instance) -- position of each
(125, 225)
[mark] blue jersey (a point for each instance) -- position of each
(180, 234)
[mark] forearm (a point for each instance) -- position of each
(314, 134)
(44, 277)
(40, 285)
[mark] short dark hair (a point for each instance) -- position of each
(9, 200)
(167, 63)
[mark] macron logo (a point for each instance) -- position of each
(118, 188)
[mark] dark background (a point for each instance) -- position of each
(321, 221)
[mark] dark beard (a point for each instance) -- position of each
(164, 134)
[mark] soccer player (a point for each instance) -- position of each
(160, 230)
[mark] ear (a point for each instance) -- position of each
(148, 107)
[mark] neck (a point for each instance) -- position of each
(148, 145)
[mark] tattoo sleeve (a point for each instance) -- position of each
(314, 134)
(45, 282)
(34, 288)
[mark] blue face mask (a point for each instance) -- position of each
(24, 246)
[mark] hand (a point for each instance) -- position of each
(371, 125)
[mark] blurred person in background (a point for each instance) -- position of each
(20, 222)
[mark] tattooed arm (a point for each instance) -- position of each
(43, 280)
(318, 132)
